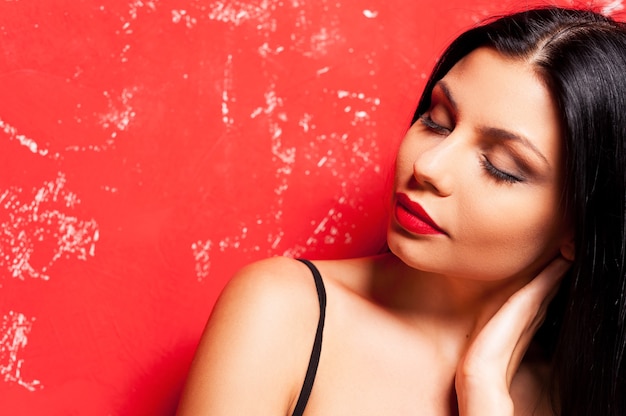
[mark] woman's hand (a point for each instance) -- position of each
(484, 374)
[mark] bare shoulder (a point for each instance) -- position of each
(270, 275)
(262, 328)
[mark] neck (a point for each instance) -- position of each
(453, 305)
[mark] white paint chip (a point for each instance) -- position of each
(323, 70)
(370, 14)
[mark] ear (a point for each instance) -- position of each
(568, 249)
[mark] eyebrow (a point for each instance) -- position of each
(446, 92)
(505, 135)
(494, 132)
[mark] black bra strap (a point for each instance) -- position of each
(317, 345)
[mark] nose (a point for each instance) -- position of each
(434, 168)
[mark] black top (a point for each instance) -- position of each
(305, 392)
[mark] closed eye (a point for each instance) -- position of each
(431, 125)
(497, 174)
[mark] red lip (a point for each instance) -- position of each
(412, 217)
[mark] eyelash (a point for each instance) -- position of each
(431, 125)
(494, 172)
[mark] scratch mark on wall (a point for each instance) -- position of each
(202, 251)
(227, 92)
(323, 70)
(327, 229)
(27, 142)
(310, 39)
(13, 339)
(274, 239)
(612, 7)
(238, 12)
(118, 118)
(321, 41)
(323, 159)
(120, 112)
(347, 152)
(362, 151)
(37, 233)
(284, 156)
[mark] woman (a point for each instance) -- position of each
(511, 176)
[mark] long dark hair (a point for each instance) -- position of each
(581, 56)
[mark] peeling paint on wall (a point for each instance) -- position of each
(238, 12)
(38, 230)
(202, 251)
(202, 257)
(14, 330)
(120, 113)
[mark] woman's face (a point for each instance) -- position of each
(479, 177)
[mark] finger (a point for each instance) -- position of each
(503, 341)
(531, 303)
(522, 308)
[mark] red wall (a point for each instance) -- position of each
(151, 148)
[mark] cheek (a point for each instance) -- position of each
(404, 162)
(414, 144)
(508, 234)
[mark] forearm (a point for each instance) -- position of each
(484, 400)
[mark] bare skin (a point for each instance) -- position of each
(376, 359)
(440, 325)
